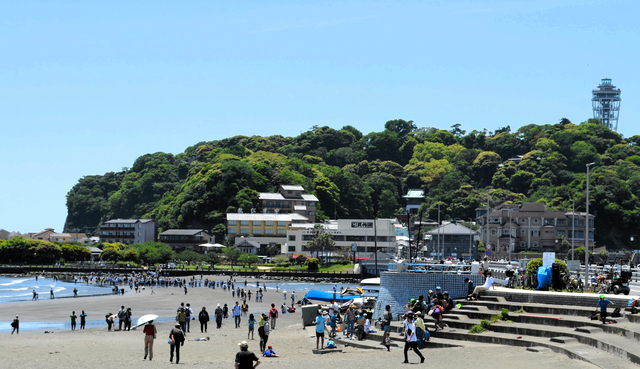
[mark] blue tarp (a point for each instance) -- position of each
(544, 277)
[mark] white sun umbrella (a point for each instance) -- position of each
(145, 319)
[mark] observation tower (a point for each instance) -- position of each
(606, 104)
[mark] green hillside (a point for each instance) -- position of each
(362, 176)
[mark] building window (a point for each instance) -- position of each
(311, 204)
(268, 231)
(232, 222)
(232, 230)
(561, 233)
(292, 249)
(493, 232)
(522, 221)
(281, 223)
(244, 222)
(256, 231)
(292, 237)
(244, 230)
(535, 220)
(312, 213)
(535, 233)
(282, 231)
(268, 223)
(257, 223)
(307, 237)
(522, 232)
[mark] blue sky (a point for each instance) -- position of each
(87, 87)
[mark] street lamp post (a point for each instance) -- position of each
(510, 231)
(470, 237)
(573, 227)
(438, 252)
(586, 240)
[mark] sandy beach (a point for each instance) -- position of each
(97, 348)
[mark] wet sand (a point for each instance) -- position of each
(97, 348)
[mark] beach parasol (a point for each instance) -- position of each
(145, 319)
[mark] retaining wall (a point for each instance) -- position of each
(397, 288)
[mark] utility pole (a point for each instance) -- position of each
(586, 236)
(438, 253)
(573, 227)
(487, 222)
(375, 242)
(419, 230)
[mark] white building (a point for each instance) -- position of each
(350, 235)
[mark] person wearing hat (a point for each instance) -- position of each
(245, 358)
(270, 352)
(603, 303)
(410, 339)
(420, 329)
(447, 302)
(16, 325)
(439, 293)
(176, 340)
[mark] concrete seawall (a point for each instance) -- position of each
(396, 289)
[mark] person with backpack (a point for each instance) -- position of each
(15, 324)
(263, 332)
(122, 315)
(236, 312)
(203, 317)
(188, 312)
(182, 317)
(273, 314)
(219, 314)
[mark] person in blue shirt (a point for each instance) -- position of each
(270, 352)
(320, 322)
(603, 303)
(333, 324)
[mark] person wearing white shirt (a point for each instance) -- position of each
(410, 340)
(488, 283)
(334, 308)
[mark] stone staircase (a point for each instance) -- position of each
(538, 327)
(560, 328)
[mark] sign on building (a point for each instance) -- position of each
(361, 224)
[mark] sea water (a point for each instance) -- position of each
(14, 289)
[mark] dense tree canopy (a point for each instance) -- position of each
(356, 175)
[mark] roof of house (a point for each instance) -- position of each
(128, 221)
(247, 243)
(533, 206)
(414, 194)
(270, 196)
(292, 188)
(309, 197)
(452, 229)
(182, 232)
(269, 216)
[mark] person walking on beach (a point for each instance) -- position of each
(51, 294)
(16, 325)
(188, 312)
(263, 332)
(273, 314)
(127, 320)
(150, 332)
(410, 340)
(73, 317)
(75, 292)
(203, 317)
(245, 358)
(219, 313)
(252, 323)
(235, 313)
(177, 340)
(293, 297)
(83, 319)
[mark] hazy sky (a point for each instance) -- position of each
(86, 87)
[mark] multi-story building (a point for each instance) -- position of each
(129, 231)
(350, 235)
(289, 199)
(531, 227)
(451, 240)
(186, 239)
(262, 229)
